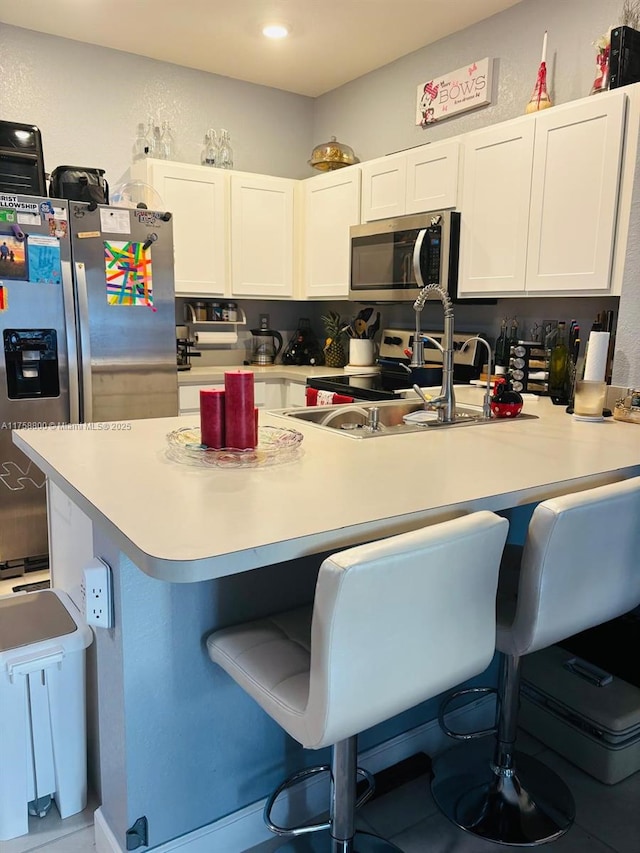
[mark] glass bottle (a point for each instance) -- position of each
(140, 144)
(503, 346)
(166, 146)
(558, 363)
(150, 139)
(210, 149)
(225, 152)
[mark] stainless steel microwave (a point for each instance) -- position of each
(393, 259)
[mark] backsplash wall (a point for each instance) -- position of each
(474, 319)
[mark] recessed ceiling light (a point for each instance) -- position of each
(275, 31)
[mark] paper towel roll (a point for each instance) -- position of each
(595, 366)
(216, 337)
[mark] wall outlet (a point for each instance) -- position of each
(98, 594)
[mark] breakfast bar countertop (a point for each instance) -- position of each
(339, 492)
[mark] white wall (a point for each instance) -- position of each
(87, 102)
(376, 113)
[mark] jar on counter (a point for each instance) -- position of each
(215, 311)
(200, 310)
(230, 312)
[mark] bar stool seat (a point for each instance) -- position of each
(578, 568)
(393, 624)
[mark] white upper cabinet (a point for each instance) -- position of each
(197, 197)
(432, 176)
(494, 208)
(539, 201)
(331, 205)
(574, 195)
(423, 178)
(384, 187)
(262, 235)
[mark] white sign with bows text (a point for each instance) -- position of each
(453, 93)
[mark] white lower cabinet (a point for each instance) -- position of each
(268, 394)
(295, 393)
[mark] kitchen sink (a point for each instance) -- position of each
(373, 419)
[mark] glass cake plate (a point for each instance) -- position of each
(276, 445)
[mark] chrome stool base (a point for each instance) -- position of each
(322, 842)
(529, 807)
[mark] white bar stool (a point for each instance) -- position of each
(393, 624)
(579, 568)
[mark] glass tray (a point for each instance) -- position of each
(276, 446)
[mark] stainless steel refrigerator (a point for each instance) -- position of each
(87, 320)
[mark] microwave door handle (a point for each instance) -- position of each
(417, 249)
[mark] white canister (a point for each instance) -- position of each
(361, 352)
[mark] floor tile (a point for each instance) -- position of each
(436, 833)
(610, 812)
(44, 832)
(401, 808)
(82, 841)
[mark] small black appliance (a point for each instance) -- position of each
(303, 347)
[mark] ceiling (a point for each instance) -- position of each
(331, 41)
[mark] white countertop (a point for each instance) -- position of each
(185, 524)
(215, 373)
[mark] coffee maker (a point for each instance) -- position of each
(266, 343)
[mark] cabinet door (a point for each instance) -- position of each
(384, 187)
(494, 207)
(295, 393)
(261, 236)
(574, 195)
(331, 206)
(197, 198)
(432, 177)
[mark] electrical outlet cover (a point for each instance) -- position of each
(98, 594)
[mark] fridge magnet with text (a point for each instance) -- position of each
(455, 92)
(13, 261)
(3, 298)
(128, 274)
(43, 252)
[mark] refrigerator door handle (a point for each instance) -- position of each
(85, 349)
(72, 346)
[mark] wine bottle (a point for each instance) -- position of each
(558, 363)
(503, 347)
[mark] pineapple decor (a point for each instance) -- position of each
(334, 355)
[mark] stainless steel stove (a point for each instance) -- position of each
(391, 380)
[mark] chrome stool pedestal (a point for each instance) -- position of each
(507, 797)
(338, 834)
(529, 806)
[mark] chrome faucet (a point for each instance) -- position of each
(486, 406)
(445, 402)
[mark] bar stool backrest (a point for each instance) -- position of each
(399, 621)
(580, 566)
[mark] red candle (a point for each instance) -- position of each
(212, 426)
(240, 421)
